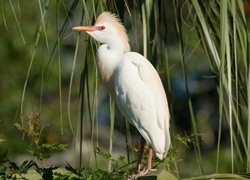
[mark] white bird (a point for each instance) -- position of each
(134, 84)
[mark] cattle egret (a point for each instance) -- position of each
(134, 84)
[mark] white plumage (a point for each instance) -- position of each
(141, 98)
(133, 83)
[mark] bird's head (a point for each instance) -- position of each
(108, 30)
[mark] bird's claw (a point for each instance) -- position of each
(141, 173)
(135, 176)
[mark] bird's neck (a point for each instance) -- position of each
(107, 61)
(119, 46)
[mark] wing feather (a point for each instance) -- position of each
(142, 100)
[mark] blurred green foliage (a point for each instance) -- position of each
(23, 45)
(47, 68)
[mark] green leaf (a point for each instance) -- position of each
(216, 176)
(3, 156)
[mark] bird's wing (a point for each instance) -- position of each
(141, 98)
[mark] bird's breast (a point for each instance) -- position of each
(107, 61)
(107, 79)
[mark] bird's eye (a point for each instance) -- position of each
(101, 28)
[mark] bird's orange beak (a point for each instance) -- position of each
(85, 28)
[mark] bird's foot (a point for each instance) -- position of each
(134, 176)
(141, 173)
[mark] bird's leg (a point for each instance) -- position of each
(149, 163)
(138, 166)
(147, 169)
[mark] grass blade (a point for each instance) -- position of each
(17, 22)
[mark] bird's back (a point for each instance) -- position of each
(141, 98)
